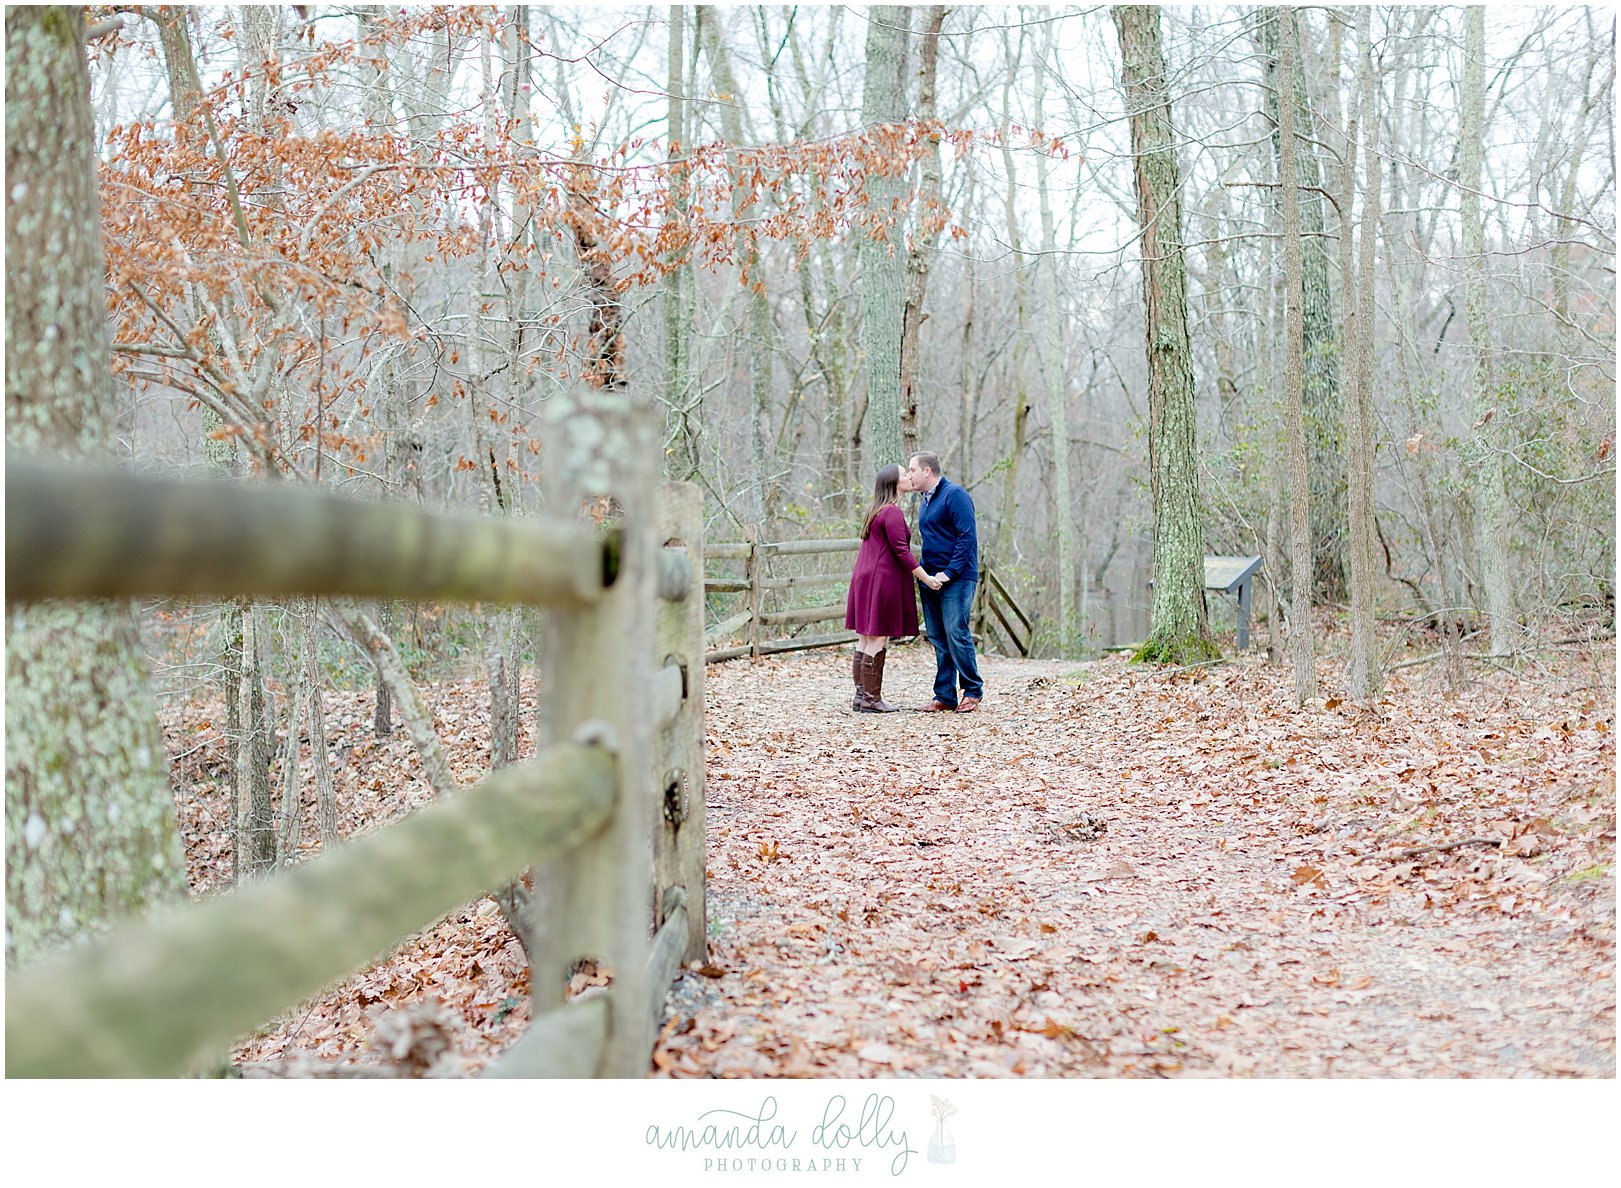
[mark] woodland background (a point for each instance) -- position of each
(387, 237)
(390, 237)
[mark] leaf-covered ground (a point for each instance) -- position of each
(1105, 872)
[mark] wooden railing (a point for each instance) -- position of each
(619, 773)
(994, 604)
(754, 621)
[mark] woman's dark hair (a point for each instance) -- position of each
(885, 491)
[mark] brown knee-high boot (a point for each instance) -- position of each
(858, 673)
(875, 685)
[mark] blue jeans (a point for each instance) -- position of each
(945, 618)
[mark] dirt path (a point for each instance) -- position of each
(1112, 873)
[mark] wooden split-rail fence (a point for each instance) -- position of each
(767, 629)
(608, 816)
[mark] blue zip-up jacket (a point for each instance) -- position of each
(945, 520)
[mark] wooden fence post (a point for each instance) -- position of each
(978, 620)
(751, 574)
(678, 831)
(597, 673)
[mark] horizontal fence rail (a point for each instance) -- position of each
(805, 548)
(78, 533)
(149, 1001)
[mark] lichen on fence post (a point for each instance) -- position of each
(596, 671)
(679, 823)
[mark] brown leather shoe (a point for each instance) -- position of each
(937, 707)
(969, 705)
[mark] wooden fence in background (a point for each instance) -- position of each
(754, 621)
(758, 625)
(609, 814)
(997, 612)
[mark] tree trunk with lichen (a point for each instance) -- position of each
(1322, 400)
(255, 834)
(1179, 632)
(682, 413)
(881, 248)
(1486, 443)
(90, 831)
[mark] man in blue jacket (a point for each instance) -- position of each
(945, 519)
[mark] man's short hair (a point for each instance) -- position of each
(928, 461)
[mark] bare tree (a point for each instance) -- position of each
(1294, 374)
(1052, 351)
(1364, 676)
(680, 288)
(1491, 515)
(882, 249)
(930, 221)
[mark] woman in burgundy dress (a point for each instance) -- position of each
(882, 602)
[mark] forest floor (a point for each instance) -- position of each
(1108, 871)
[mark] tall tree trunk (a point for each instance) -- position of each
(502, 627)
(1350, 329)
(1002, 544)
(90, 831)
(881, 247)
(185, 98)
(1277, 461)
(1179, 632)
(1050, 351)
(1324, 418)
(382, 719)
(326, 803)
(492, 351)
(683, 419)
(1364, 675)
(970, 364)
(389, 396)
(758, 309)
(1300, 537)
(255, 820)
(931, 219)
(235, 728)
(290, 824)
(1217, 211)
(1401, 226)
(1491, 513)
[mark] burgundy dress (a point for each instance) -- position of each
(883, 594)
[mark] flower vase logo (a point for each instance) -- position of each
(942, 1146)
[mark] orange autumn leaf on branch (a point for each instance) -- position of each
(249, 265)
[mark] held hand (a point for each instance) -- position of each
(941, 579)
